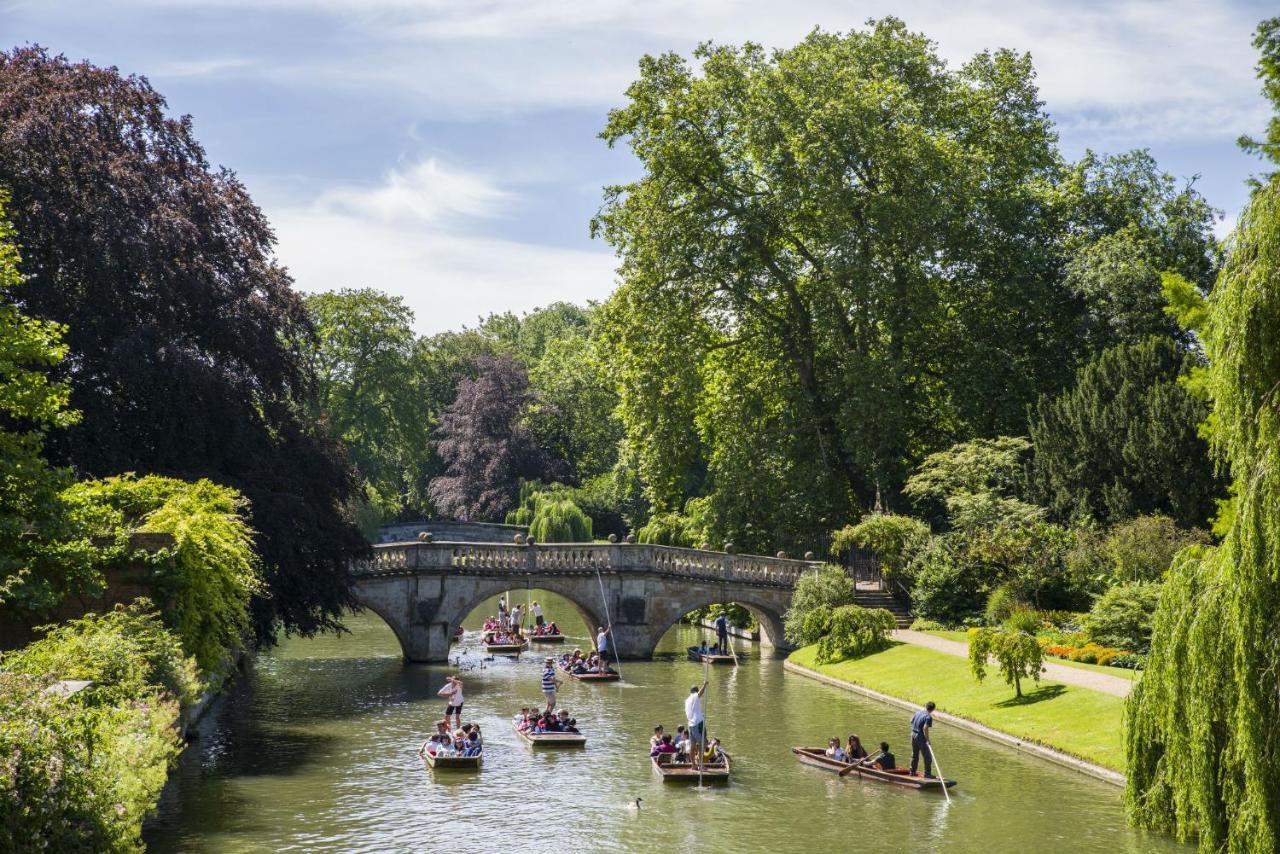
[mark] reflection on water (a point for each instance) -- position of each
(316, 751)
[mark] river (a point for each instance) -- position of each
(315, 750)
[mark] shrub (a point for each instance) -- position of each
(1002, 602)
(559, 520)
(1018, 655)
(1130, 661)
(946, 589)
(126, 652)
(1023, 619)
(1142, 549)
(203, 583)
(1122, 616)
(81, 773)
(854, 631)
(923, 625)
(829, 586)
(895, 539)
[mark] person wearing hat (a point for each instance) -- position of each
(549, 682)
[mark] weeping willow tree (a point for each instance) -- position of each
(552, 516)
(1201, 735)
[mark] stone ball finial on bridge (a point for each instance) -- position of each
(529, 541)
(782, 554)
(729, 548)
(424, 536)
(631, 539)
(809, 556)
(519, 539)
(613, 538)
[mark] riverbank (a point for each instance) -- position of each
(1071, 725)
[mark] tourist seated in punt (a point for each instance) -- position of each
(884, 760)
(835, 751)
(854, 752)
(490, 624)
(473, 745)
(713, 755)
(664, 745)
(683, 748)
(656, 738)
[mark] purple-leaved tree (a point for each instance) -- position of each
(485, 444)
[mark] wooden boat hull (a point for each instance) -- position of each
(547, 638)
(506, 648)
(551, 739)
(714, 658)
(454, 763)
(685, 772)
(816, 757)
(591, 677)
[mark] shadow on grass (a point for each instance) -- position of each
(864, 654)
(1044, 692)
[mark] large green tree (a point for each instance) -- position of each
(1203, 749)
(182, 328)
(1123, 441)
(855, 225)
(1200, 734)
(371, 392)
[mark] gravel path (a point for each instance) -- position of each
(1056, 672)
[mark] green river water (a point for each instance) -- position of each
(315, 750)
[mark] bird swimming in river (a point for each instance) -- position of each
(634, 806)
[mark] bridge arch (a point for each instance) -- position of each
(767, 609)
(571, 590)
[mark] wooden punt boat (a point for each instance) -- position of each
(687, 772)
(507, 648)
(609, 676)
(697, 654)
(454, 763)
(547, 638)
(549, 739)
(817, 757)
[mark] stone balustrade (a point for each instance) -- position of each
(578, 558)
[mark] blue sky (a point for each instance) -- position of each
(446, 150)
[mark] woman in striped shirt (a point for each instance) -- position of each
(550, 683)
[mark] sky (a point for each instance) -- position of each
(447, 150)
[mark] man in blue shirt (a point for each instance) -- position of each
(722, 632)
(921, 723)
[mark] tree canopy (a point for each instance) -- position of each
(182, 329)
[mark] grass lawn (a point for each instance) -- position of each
(1074, 720)
(1118, 672)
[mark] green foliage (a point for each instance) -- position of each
(204, 582)
(995, 466)
(826, 588)
(764, 360)
(1267, 41)
(551, 514)
(920, 624)
(1017, 653)
(895, 539)
(947, 588)
(1124, 440)
(1002, 602)
(372, 392)
(1142, 549)
(126, 652)
(669, 529)
(556, 519)
(30, 404)
(853, 631)
(1202, 746)
(1118, 280)
(1022, 618)
(83, 772)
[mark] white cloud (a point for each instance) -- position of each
(208, 67)
(414, 235)
(427, 193)
(1127, 64)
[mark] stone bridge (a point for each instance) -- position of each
(423, 590)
